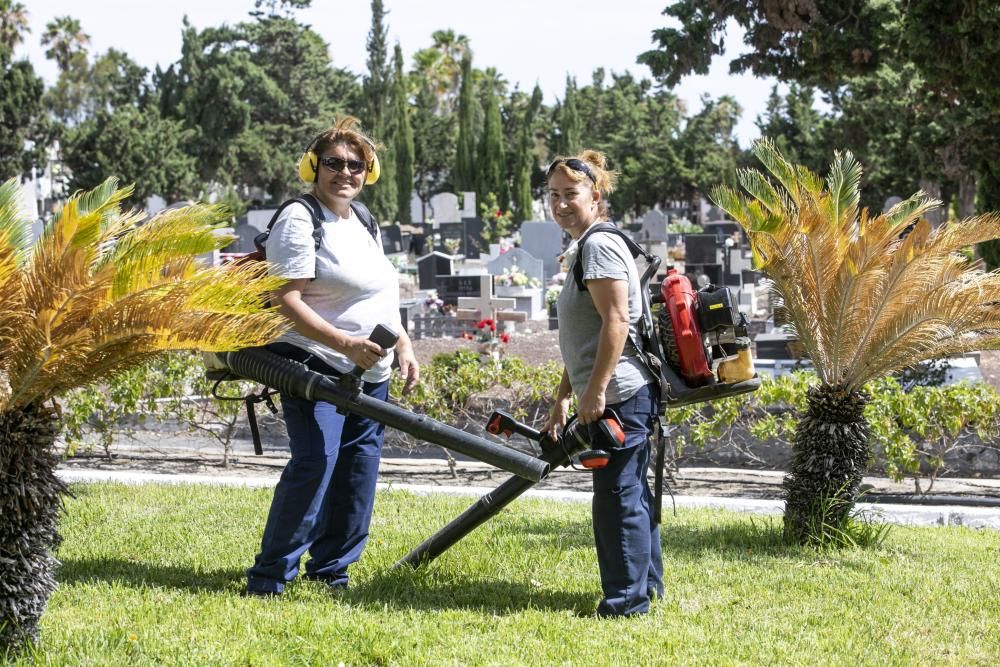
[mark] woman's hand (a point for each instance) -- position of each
(363, 352)
(592, 404)
(558, 414)
(408, 366)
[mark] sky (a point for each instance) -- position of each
(527, 41)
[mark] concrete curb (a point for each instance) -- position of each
(907, 515)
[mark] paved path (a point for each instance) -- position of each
(914, 515)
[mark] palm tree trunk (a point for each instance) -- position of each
(30, 502)
(829, 457)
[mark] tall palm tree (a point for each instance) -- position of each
(65, 38)
(13, 25)
(866, 295)
(97, 293)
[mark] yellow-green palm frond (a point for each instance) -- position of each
(867, 295)
(15, 237)
(171, 240)
(101, 292)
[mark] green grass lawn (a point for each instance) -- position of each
(153, 574)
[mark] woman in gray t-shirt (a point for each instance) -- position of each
(594, 326)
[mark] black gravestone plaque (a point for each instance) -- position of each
(450, 231)
(429, 267)
(392, 239)
(473, 237)
(700, 249)
(449, 288)
(418, 240)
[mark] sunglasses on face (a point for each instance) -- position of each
(575, 165)
(336, 164)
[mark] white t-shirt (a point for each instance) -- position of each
(355, 288)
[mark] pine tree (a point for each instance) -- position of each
(402, 137)
(490, 160)
(464, 176)
(525, 159)
(377, 87)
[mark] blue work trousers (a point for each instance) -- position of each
(627, 539)
(323, 502)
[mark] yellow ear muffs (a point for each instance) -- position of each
(309, 164)
(374, 169)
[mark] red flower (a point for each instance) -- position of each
(498, 213)
(505, 337)
(482, 323)
(493, 327)
(466, 335)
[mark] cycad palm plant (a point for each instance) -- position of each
(95, 294)
(866, 295)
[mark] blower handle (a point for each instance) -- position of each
(382, 336)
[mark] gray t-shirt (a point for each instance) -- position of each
(605, 256)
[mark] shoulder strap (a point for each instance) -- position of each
(606, 228)
(366, 218)
(315, 213)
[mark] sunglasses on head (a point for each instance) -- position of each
(575, 165)
(336, 164)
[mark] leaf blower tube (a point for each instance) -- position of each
(294, 378)
(575, 438)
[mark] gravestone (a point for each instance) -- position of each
(392, 239)
(416, 208)
(451, 231)
(469, 205)
(517, 258)
(713, 214)
(451, 288)
(418, 239)
(736, 264)
(543, 240)
(722, 229)
(485, 305)
(408, 308)
(432, 265)
(444, 208)
(529, 299)
(701, 249)
(473, 234)
(777, 345)
(654, 226)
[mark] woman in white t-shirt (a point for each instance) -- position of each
(335, 296)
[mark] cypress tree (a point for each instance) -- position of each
(381, 198)
(402, 139)
(491, 154)
(569, 121)
(525, 159)
(464, 176)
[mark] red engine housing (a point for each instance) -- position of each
(680, 300)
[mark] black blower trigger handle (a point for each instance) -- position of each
(382, 336)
